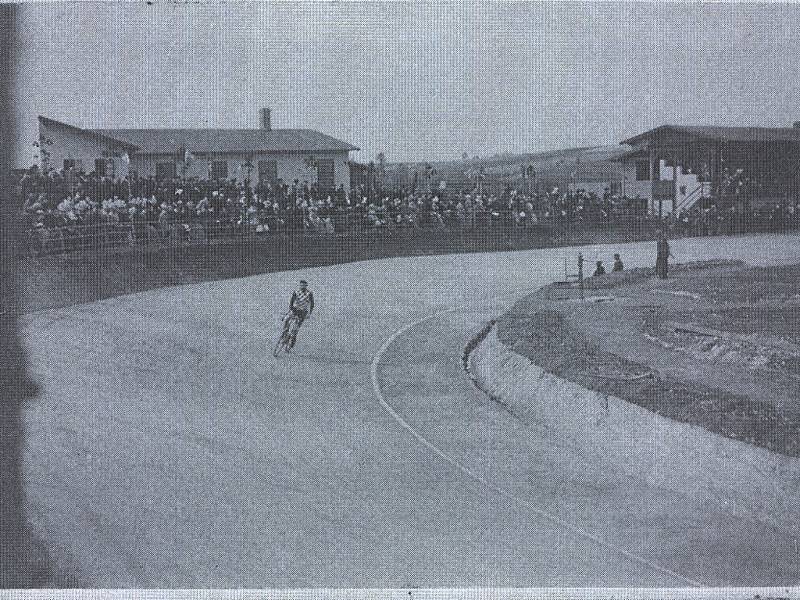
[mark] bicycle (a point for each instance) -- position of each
(288, 335)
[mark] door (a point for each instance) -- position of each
(219, 169)
(268, 171)
(325, 174)
(165, 170)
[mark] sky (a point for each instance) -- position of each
(416, 81)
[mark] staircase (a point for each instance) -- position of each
(703, 190)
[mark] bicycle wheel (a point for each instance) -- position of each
(281, 345)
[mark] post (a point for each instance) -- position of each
(653, 187)
(580, 274)
(674, 180)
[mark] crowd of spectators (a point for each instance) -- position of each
(56, 199)
(58, 204)
(707, 218)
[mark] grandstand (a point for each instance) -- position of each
(675, 167)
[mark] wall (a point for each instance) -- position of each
(145, 165)
(687, 181)
(631, 187)
(290, 166)
(71, 144)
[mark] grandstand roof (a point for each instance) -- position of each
(631, 154)
(722, 134)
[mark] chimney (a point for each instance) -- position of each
(266, 119)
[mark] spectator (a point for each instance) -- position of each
(599, 269)
(618, 266)
(662, 255)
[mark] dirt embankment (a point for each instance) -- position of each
(745, 481)
(716, 345)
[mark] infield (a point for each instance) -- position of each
(716, 345)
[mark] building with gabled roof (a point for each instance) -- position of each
(245, 155)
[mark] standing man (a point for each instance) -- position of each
(663, 255)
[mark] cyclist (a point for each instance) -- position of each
(301, 305)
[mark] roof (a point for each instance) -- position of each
(631, 154)
(92, 133)
(166, 141)
(723, 134)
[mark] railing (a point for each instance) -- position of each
(103, 236)
(483, 231)
(154, 234)
(692, 198)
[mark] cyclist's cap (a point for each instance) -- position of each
(303, 282)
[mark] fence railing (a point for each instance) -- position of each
(101, 236)
(198, 232)
(205, 232)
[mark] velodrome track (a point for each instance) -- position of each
(170, 449)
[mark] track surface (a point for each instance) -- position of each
(170, 449)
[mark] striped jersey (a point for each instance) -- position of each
(302, 300)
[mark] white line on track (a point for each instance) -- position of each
(474, 476)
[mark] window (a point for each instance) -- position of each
(100, 166)
(165, 170)
(268, 171)
(72, 166)
(325, 174)
(219, 169)
(642, 170)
